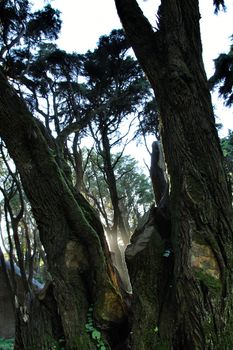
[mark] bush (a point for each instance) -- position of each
(6, 344)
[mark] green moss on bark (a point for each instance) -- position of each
(212, 283)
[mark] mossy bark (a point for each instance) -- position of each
(68, 227)
(200, 202)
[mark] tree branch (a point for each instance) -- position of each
(138, 29)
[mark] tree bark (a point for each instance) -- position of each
(73, 238)
(38, 324)
(201, 212)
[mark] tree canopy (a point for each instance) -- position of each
(223, 76)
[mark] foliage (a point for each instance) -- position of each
(114, 76)
(116, 86)
(218, 5)
(94, 333)
(21, 32)
(133, 186)
(227, 147)
(55, 344)
(52, 80)
(6, 344)
(149, 120)
(223, 76)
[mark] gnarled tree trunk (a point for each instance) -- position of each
(70, 231)
(200, 282)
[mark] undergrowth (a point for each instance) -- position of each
(6, 344)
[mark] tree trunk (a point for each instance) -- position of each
(118, 222)
(201, 213)
(73, 238)
(38, 324)
(118, 229)
(150, 271)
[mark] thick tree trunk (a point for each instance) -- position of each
(150, 264)
(70, 232)
(201, 213)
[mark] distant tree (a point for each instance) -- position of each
(118, 90)
(227, 147)
(22, 30)
(133, 188)
(135, 196)
(223, 76)
(21, 240)
(135, 191)
(148, 120)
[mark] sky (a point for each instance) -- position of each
(84, 21)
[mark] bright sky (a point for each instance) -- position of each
(84, 21)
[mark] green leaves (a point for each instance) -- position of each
(89, 327)
(6, 344)
(227, 148)
(94, 333)
(133, 186)
(223, 76)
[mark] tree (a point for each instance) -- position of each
(133, 187)
(51, 75)
(223, 76)
(82, 275)
(21, 244)
(21, 30)
(227, 147)
(184, 298)
(116, 83)
(135, 198)
(81, 250)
